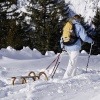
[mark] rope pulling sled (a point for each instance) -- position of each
(32, 75)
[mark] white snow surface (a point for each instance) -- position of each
(83, 86)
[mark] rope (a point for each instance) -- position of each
(55, 67)
(53, 62)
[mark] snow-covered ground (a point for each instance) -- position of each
(83, 86)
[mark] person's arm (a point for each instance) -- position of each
(83, 35)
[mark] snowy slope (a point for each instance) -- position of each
(84, 86)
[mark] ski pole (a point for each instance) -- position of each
(55, 67)
(89, 57)
(53, 61)
(55, 70)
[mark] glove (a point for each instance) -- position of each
(61, 43)
(92, 43)
(95, 43)
(62, 46)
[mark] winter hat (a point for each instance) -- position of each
(77, 16)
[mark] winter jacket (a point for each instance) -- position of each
(80, 32)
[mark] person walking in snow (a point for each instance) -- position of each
(74, 49)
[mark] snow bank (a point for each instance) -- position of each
(2, 84)
(49, 53)
(97, 97)
(25, 53)
(83, 52)
(84, 86)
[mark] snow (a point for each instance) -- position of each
(87, 8)
(24, 10)
(83, 52)
(99, 4)
(84, 86)
(25, 53)
(49, 53)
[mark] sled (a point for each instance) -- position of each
(31, 75)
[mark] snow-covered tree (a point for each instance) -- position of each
(13, 25)
(96, 22)
(47, 16)
(7, 26)
(34, 23)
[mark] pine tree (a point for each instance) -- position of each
(96, 22)
(6, 25)
(42, 32)
(47, 16)
(13, 27)
(91, 32)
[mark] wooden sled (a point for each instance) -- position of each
(31, 75)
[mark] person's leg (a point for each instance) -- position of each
(71, 68)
